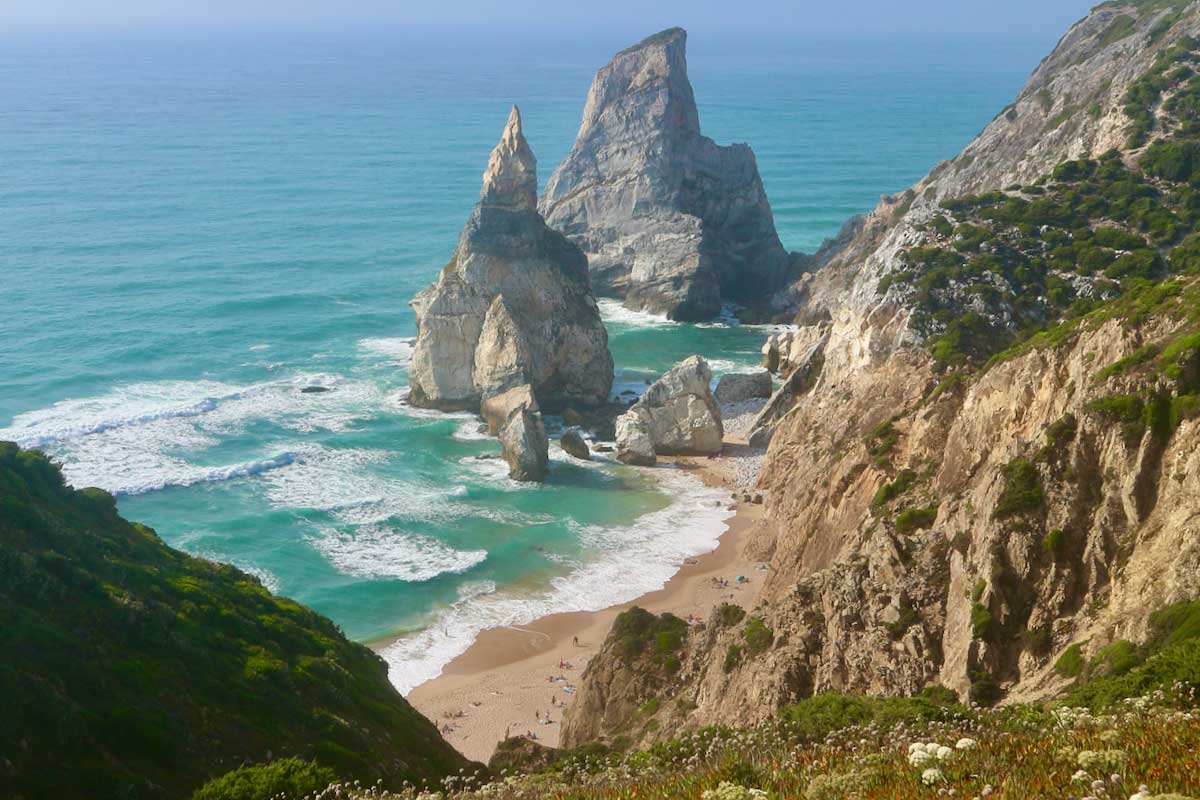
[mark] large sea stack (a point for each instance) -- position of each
(670, 221)
(511, 327)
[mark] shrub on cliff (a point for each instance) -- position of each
(287, 777)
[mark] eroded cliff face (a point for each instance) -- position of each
(670, 221)
(964, 530)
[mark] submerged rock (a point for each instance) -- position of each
(736, 387)
(676, 416)
(513, 310)
(669, 220)
(574, 445)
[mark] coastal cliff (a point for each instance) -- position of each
(982, 469)
(670, 221)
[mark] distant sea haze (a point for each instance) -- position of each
(196, 231)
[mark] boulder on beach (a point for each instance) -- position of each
(573, 444)
(737, 387)
(676, 416)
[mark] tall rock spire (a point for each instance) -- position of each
(511, 176)
(511, 326)
(670, 221)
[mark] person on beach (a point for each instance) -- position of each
(575, 641)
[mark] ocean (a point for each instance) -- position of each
(193, 229)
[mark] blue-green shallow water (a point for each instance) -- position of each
(193, 230)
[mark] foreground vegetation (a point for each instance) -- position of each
(132, 670)
(906, 749)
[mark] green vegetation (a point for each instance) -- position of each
(914, 519)
(655, 639)
(1169, 658)
(815, 718)
(1055, 542)
(129, 665)
(890, 491)
(1059, 434)
(288, 777)
(758, 636)
(1022, 492)
(981, 621)
(882, 439)
(727, 615)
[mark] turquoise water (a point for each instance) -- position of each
(191, 231)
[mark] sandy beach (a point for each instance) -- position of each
(512, 676)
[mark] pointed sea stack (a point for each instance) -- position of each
(670, 221)
(511, 326)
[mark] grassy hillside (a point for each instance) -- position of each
(132, 670)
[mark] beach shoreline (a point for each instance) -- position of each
(511, 679)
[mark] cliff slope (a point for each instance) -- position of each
(131, 670)
(984, 471)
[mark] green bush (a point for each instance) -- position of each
(289, 778)
(1071, 663)
(758, 636)
(915, 519)
(728, 614)
(981, 622)
(814, 718)
(1022, 491)
(733, 657)
(890, 491)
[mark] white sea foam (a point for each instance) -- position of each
(612, 311)
(469, 431)
(133, 439)
(380, 551)
(399, 350)
(260, 347)
(629, 562)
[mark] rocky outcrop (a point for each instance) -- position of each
(669, 220)
(512, 309)
(737, 387)
(676, 416)
(573, 444)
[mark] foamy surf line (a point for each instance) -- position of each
(644, 556)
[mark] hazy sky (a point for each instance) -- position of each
(794, 18)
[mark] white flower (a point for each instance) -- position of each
(966, 744)
(919, 758)
(931, 776)
(943, 753)
(1081, 775)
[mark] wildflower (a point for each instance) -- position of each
(1080, 775)
(943, 753)
(966, 744)
(931, 776)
